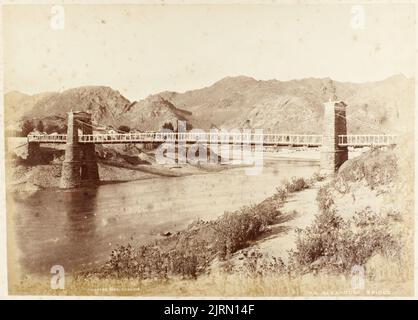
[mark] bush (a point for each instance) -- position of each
(235, 229)
(324, 199)
(40, 126)
(168, 126)
(318, 177)
(269, 209)
(149, 261)
(256, 264)
(295, 185)
(124, 128)
(27, 128)
(332, 244)
(368, 235)
(281, 194)
(316, 242)
(122, 261)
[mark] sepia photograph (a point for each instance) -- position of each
(166, 149)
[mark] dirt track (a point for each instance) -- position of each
(300, 211)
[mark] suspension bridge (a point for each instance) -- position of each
(80, 165)
(267, 139)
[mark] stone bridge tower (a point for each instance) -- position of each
(80, 165)
(335, 124)
(34, 152)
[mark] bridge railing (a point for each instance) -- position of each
(210, 137)
(47, 138)
(207, 137)
(293, 139)
(366, 140)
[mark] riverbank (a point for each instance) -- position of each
(310, 232)
(115, 164)
(31, 178)
(25, 178)
(204, 242)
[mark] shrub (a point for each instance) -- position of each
(27, 127)
(168, 126)
(269, 210)
(318, 177)
(122, 261)
(191, 256)
(281, 194)
(124, 128)
(256, 264)
(295, 185)
(188, 258)
(40, 126)
(332, 244)
(235, 229)
(318, 241)
(368, 235)
(324, 199)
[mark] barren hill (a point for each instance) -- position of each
(107, 106)
(234, 102)
(296, 105)
(152, 113)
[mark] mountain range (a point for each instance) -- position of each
(293, 106)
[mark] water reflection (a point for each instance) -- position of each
(80, 234)
(80, 212)
(59, 228)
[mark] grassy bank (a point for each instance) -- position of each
(391, 280)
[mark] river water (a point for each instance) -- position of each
(79, 228)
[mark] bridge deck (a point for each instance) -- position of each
(359, 140)
(191, 137)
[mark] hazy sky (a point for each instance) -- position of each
(140, 50)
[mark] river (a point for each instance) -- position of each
(79, 228)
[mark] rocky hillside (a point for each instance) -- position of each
(296, 106)
(233, 102)
(108, 107)
(104, 103)
(152, 113)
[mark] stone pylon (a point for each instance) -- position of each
(335, 124)
(80, 165)
(34, 153)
